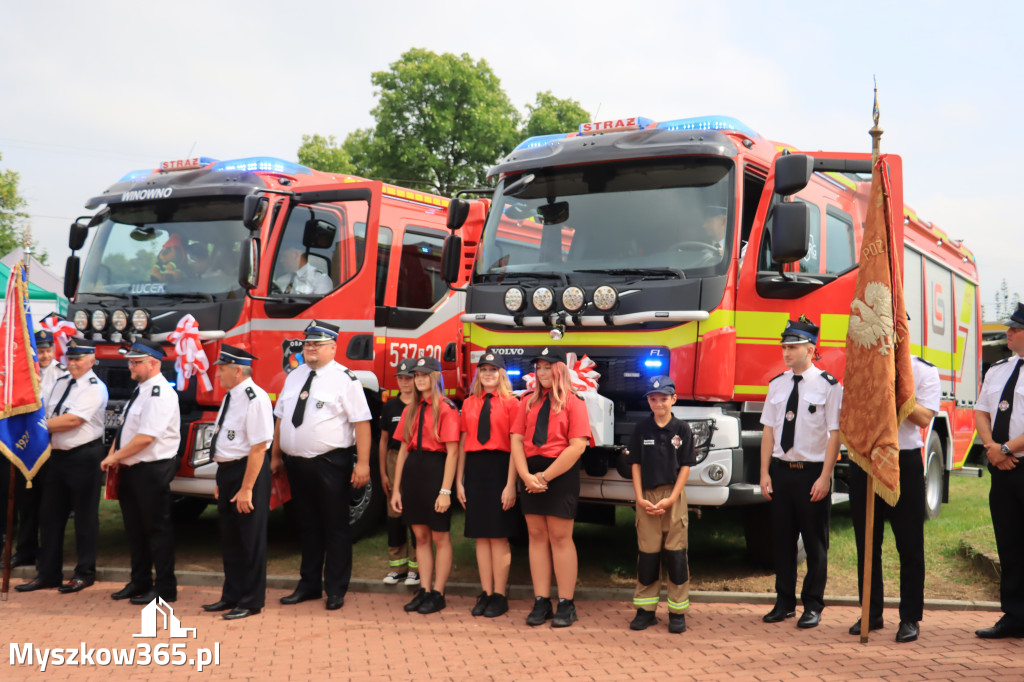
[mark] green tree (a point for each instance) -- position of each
(550, 114)
(324, 154)
(12, 214)
(441, 119)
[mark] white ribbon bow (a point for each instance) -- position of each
(192, 358)
(62, 331)
(582, 374)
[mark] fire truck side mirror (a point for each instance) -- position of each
(458, 211)
(792, 173)
(71, 277)
(249, 266)
(791, 230)
(254, 210)
(451, 258)
(77, 235)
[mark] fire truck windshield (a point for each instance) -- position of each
(167, 248)
(670, 214)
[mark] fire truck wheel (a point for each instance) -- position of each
(934, 474)
(187, 509)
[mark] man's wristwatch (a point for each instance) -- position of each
(1005, 450)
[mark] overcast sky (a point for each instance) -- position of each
(91, 90)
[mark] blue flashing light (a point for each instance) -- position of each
(262, 164)
(540, 141)
(653, 363)
(709, 123)
(513, 372)
(137, 175)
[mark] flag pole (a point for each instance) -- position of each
(869, 507)
(8, 535)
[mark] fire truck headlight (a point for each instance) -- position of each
(140, 320)
(201, 445)
(703, 430)
(99, 320)
(573, 299)
(605, 298)
(543, 298)
(514, 299)
(119, 320)
(81, 320)
(716, 472)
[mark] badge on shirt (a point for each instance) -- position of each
(649, 441)
(231, 435)
(1004, 406)
(812, 409)
(319, 404)
(156, 391)
(676, 441)
(303, 395)
(93, 380)
(790, 416)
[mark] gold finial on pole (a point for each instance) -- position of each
(876, 131)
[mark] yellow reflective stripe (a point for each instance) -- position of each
(958, 463)
(752, 390)
(717, 319)
(646, 602)
(413, 564)
(966, 313)
(842, 180)
(940, 358)
(395, 563)
(679, 606)
(834, 328)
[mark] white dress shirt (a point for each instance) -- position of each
(335, 402)
(87, 400)
(928, 390)
(817, 414)
(248, 422)
(48, 377)
(306, 280)
(992, 391)
(154, 413)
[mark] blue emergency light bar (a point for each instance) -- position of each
(695, 123)
(262, 164)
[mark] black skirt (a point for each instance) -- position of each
(422, 477)
(486, 474)
(562, 495)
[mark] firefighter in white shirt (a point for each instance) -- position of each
(145, 452)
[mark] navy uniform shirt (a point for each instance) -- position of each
(390, 416)
(661, 451)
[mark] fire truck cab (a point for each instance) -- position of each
(681, 248)
(254, 249)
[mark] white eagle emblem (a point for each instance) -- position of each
(871, 319)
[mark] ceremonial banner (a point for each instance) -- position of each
(24, 439)
(878, 383)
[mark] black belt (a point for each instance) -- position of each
(915, 451)
(336, 451)
(799, 465)
(91, 443)
(231, 462)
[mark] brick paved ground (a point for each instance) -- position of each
(372, 638)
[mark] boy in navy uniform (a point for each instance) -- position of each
(799, 448)
(661, 453)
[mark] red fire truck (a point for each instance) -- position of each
(254, 249)
(681, 248)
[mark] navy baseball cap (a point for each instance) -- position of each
(491, 358)
(143, 348)
(550, 354)
(229, 355)
(660, 384)
(404, 367)
(425, 365)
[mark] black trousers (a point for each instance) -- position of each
(144, 492)
(321, 492)
(907, 521)
(1006, 502)
(27, 502)
(243, 537)
(73, 485)
(793, 515)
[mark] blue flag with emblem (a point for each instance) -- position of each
(24, 439)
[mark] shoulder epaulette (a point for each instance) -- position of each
(829, 378)
(62, 366)
(251, 393)
(93, 380)
(351, 375)
(156, 391)
(62, 376)
(925, 362)
(999, 362)
(775, 377)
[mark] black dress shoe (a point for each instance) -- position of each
(418, 598)
(908, 631)
(873, 624)
(36, 584)
(218, 606)
(240, 612)
(299, 596)
(1002, 629)
(810, 619)
(482, 600)
(778, 614)
(129, 591)
(75, 585)
(22, 560)
(335, 601)
(146, 597)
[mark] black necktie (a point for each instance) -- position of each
(220, 423)
(300, 406)
(789, 425)
(419, 427)
(483, 427)
(124, 417)
(60, 403)
(540, 431)
(1001, 427)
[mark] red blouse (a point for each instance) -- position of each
(503, 413)
(447, 427)
(571, 422)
